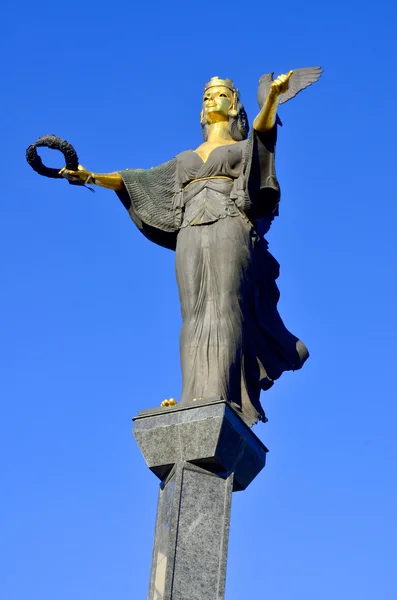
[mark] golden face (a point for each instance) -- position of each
(217, 101)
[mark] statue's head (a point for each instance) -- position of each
(221, 102)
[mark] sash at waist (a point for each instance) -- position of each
(207, 204)
(204, 200)
(205, 179)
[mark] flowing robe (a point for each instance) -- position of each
(233, 342)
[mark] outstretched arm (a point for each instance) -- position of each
(112, 181)
(266, 119)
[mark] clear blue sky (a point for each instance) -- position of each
(89, 314)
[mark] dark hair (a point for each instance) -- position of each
(238, 124)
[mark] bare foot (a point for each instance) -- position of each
(170, 402)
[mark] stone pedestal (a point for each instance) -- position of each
(201, 454)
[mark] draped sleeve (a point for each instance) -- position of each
(149, 199)
(257, 191)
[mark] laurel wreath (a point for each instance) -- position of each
(55, 143)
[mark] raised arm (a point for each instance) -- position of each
(111, 181)
(266, 119)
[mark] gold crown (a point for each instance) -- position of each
(216, 81)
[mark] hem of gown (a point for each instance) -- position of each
(249, 420)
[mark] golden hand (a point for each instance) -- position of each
(111, 181)
(82, 174)
(266, 119)
(280, 85)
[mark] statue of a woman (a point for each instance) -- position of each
(213, 205)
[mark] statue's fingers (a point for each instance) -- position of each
(289, 74)
(61, 172)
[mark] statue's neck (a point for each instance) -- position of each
(218, 133)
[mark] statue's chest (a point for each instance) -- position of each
(221, 160)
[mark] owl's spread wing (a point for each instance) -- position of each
(301, 79)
